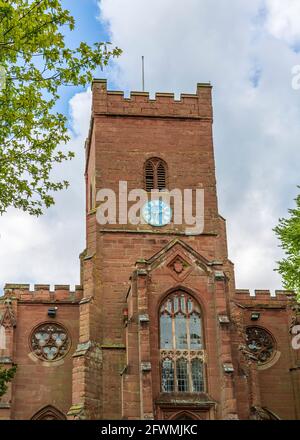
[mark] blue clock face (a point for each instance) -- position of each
(157, 213)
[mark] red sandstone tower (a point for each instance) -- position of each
(157, 330)
(162, 329)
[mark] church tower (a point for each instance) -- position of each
(162, 329)
(151, 344)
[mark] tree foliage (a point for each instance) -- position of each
(37, 62)
(288, 231)
(6, 376)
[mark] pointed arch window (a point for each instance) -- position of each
(181, 345)
(49, 413)
(155, 174)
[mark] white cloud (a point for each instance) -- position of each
(283, 20)
(252, 241)
(241, 48)
(80, 108)
(234, 45)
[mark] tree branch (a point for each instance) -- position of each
(23, 16)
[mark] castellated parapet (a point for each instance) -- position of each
(265, 296)
(195, 106)
(43, 293)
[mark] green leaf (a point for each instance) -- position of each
(288, 232)
(6, 376)
(38, 63)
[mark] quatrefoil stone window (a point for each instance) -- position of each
(50, 342)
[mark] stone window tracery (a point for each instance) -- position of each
(50, 342)
(260, 343)
(181, 345)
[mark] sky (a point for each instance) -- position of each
(247, 50)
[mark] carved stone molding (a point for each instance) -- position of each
(8, 319)
(179, 268)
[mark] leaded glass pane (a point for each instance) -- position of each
(182, 376)
(166, 337)
(167, 376)
(180, 331)
(182, 304)
(190, 305)
(197, 376)
(176, 304)
(169, 306)
(195, 332)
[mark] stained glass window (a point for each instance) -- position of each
(181, 345)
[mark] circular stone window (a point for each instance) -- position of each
(261, 343)
(50, 342)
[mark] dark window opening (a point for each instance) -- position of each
(155, 175)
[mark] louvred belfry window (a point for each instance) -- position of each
(155, 174)
(181, 345)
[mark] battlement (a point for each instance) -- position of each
(196, 106)
(42, 293)
(265, 295)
